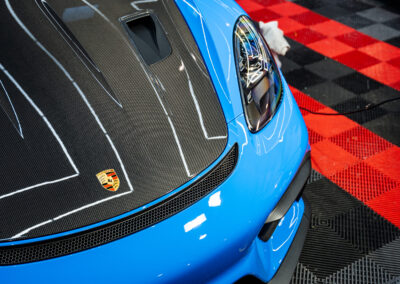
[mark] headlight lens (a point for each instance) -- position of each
(259, 78)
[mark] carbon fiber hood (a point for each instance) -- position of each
(90, 131)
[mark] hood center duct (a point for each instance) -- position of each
(148, 36)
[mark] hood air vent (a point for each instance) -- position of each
(147, 36)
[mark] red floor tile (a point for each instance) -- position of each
(328, 159)
(331, 28)
(288, 9)
(387, 162)
(356, 59)
(264, 15)
(388, 205)
(361, 142)
(287, 25)
(268, 3)
(309, 18)
(363, 181)
(382, 72)
(381, 50)
(314, 137)
(249, 6)
(329, 125)
(395, 62)
(356, 39)
(306, 36)
(305, 101)
(330, 47)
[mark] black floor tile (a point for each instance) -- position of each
(358, 103)
(332, 11)
(395, 24)
(310, 4)
(329, 69)
(288, 65)
(303, 56)
(354, 21)
(357, 83)
(329, 93)
(394, 41)
(354, 6)
(303, 79)
(387, 127)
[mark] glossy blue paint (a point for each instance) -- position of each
(215, 239)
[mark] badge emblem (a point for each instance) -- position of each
(108, 179)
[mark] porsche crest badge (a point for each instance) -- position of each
(108, 179)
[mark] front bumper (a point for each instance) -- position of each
(216, 239)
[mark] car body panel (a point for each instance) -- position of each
(214, 240)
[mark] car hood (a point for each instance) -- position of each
(90, 130)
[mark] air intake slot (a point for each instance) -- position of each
(147, 36)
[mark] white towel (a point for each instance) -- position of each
(275, 39)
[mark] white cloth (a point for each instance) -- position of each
(275, 39)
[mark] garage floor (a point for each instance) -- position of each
(345, 55)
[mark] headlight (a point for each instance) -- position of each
(259, 77)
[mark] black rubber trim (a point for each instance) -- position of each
(267, 230)
(285, 271)
(293, 191)
(18, 254)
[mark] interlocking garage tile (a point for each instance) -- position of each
(380, 31)
(383, 72)
(382, 51)
(331, 28)
(356, 39)
(303, 275)
(309, 18)
(355, 21)
(310, 4)
(395, 24)
(288, 9)
(329, 69)
(364, 229)
(332, 11)
(264, 15)
(361, 142)
(328, 200)
(381, 94)
(330, 47)
(363, 181)
(387, 162)
(329, 93)
(378, 14)
(314, 176)
(306, 36)
(314, 137)
(306, 101)
(268, 3)
(386, 126)
(387, 205)
(289, 25)
(288, 65)
(302, 78)
(303, 55)
(357, 83)
(388, 257)
(293, 44)
(395, 62)
(249, 5)
(358, 103)
(364, 270)
(354, 6)
(328, 125)
(356, 59)
(323, 245)
(394, 41)
(329, 159)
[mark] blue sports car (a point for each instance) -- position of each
(146, 141)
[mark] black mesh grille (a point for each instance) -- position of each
(121, 228)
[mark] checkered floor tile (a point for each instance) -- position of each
(345, 54)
